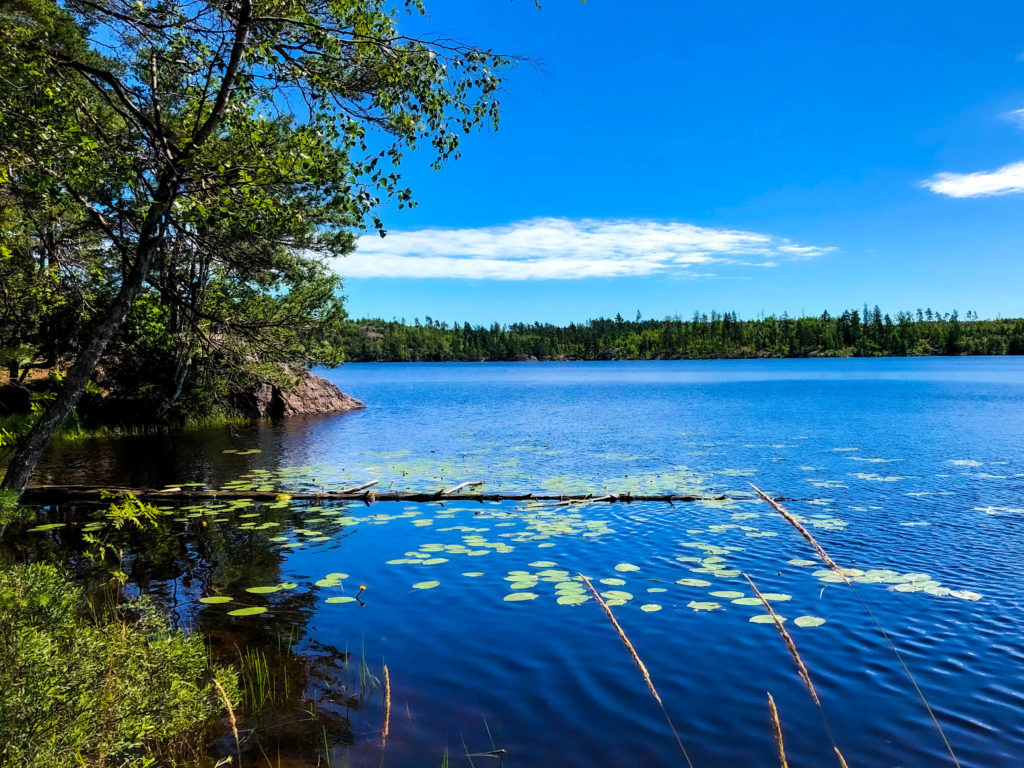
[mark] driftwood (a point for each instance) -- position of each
(65, 494)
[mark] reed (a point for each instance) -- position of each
(387, 708)
(892, 646)
(639, 663)
(231, 716)
(801, 667)
(777, 727)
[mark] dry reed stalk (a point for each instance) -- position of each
(801, 667)
(842, 760)
(803, 531)
(231, 716)
(892, 646)
(777, 726)
(387, 708)
(639, 662)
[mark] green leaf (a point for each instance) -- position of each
(251, 611)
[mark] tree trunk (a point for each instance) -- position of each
(31, 447)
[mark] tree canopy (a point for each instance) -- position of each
(718, 335)
(182, 168)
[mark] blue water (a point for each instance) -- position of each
(909, 466)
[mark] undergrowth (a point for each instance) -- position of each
(116, 686)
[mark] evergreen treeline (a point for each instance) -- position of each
(854, 333)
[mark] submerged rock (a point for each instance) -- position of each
(309, 394)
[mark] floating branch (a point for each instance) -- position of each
(363, 487)
(460, 486)
(62, 494)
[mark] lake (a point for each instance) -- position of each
(909, 471)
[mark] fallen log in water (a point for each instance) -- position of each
(65, 494)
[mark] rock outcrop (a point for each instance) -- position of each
(312, 394)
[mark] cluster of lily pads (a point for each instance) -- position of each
(900, 582)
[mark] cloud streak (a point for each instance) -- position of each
(1007, 180)
(568, 249)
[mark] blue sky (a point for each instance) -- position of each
(672, 155)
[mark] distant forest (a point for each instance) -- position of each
(866, 333)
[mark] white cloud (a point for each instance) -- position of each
(1016, 116)
(1007, 180)
(566, 249)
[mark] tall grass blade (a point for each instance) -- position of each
(831, 564)
(231, 716)
(387, 708)
(640, 664)
(801, 667)
(777, 727)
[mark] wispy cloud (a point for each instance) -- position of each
(567, 249)
(1016, 117)
(1007, 180)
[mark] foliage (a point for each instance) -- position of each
(717, 335)
(10, 510)
(131, 511)
(177, 174)
(121, 689)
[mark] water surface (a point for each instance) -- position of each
(909, 470)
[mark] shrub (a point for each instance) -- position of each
(120, 689)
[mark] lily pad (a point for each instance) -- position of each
(965, 594)
(808, 621)
(765, 619)
(543, 564)
(517, 597)
(693, 582)
(425, 584)
(215, 599)
(650, 607)
(703, 606)
(613, 582)
(626, 567)
(250, 611)
(473, 574)
(727, 594)
(748, 601)
(341, 599)
(615, 594)
(572, 599)
(263, 590)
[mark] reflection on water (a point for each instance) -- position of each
(910, 474)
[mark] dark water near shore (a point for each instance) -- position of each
(909, 470)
